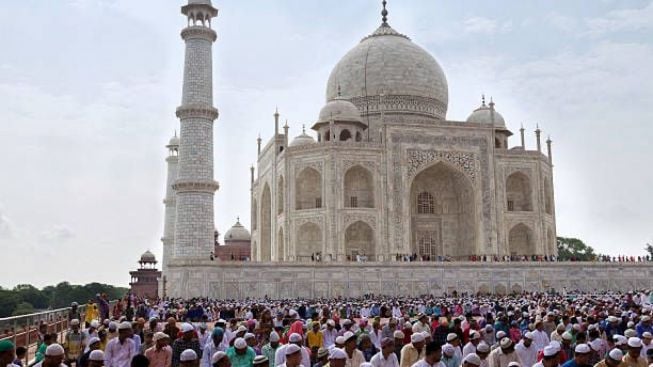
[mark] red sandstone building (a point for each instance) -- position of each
(145, 281)
(237, 244)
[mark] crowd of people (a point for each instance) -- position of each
(526, 330)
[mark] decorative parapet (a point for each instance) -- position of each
(196, 111)
(199, 32)
(196, 186)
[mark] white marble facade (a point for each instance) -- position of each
(388, 174)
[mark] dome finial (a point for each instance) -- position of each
(384, 14)
(491, 103)
(303, 129)
(339, 94)
(238, 219)
(483, 99)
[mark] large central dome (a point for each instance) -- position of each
(386, 70)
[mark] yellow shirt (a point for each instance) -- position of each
(628, 361)
(314, 340)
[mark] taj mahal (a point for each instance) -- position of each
(383, 177)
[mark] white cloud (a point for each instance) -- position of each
(621, 20)
(480, 25)
(57, 233)
(7, 229)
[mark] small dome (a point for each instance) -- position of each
(339, 109)
(487, 115)
(237, 233)
(174, 141)
(202, 2)
(148, 257)
(303, 139)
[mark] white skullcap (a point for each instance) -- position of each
(514, 364)
(417, 338)
(188, 355)
(426, 334)
(596, 345)
(348, 335)
(217, 356)
(292, 349)
(241, 329)
(635, 342)
(74, 322)
(340, 340)
(613, 318)
(555, 344)
(505, 343)
(646, 318)
(54, 350)
(331, 322)
(550, 351)
(95, 324)
(249, 336)
(472, 358)
(96, 355)
(501, 334)
(483, 347)
(398, 334)
(186, 327)
(630, 333)
(337, 353)
(92, 340)
(619, 339)
(261, 359)
(125, 325)
(451, 337)
(567, 336)
(158, 336)
(582, 349)
(296, 338)
(647, 335)
(408, 325)
(529, 335)
(474, 335)
(448, 350)
(616, 354)
(366, 364)
(274, 337)
(240, 343)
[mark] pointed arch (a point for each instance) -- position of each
(309, 240)
(359, 240)
(519, 193)
(345, 135)
(308, 188)
(521, 241)
(443, 220)
(358, 188)
(266, 224)
(548, 197)
(281, 189)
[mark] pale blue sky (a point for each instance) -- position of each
(88, 90)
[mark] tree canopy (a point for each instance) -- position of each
(25, 298)
(574, 249)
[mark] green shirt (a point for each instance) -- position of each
(242, 360)
(269, 352)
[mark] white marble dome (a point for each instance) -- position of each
(487, 115)
(388, 63)
(237, 233)
(303, 139)
(339, 109)
(174, 141)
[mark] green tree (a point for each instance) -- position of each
(30, 294)
(573, 248)
(8, 302)
(649, 249)
(23, 308)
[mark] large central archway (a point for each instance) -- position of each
(266, 224)
(521, 241)
(443, 221)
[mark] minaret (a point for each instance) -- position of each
(537, 137)
(168, 238)
(195, 185)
